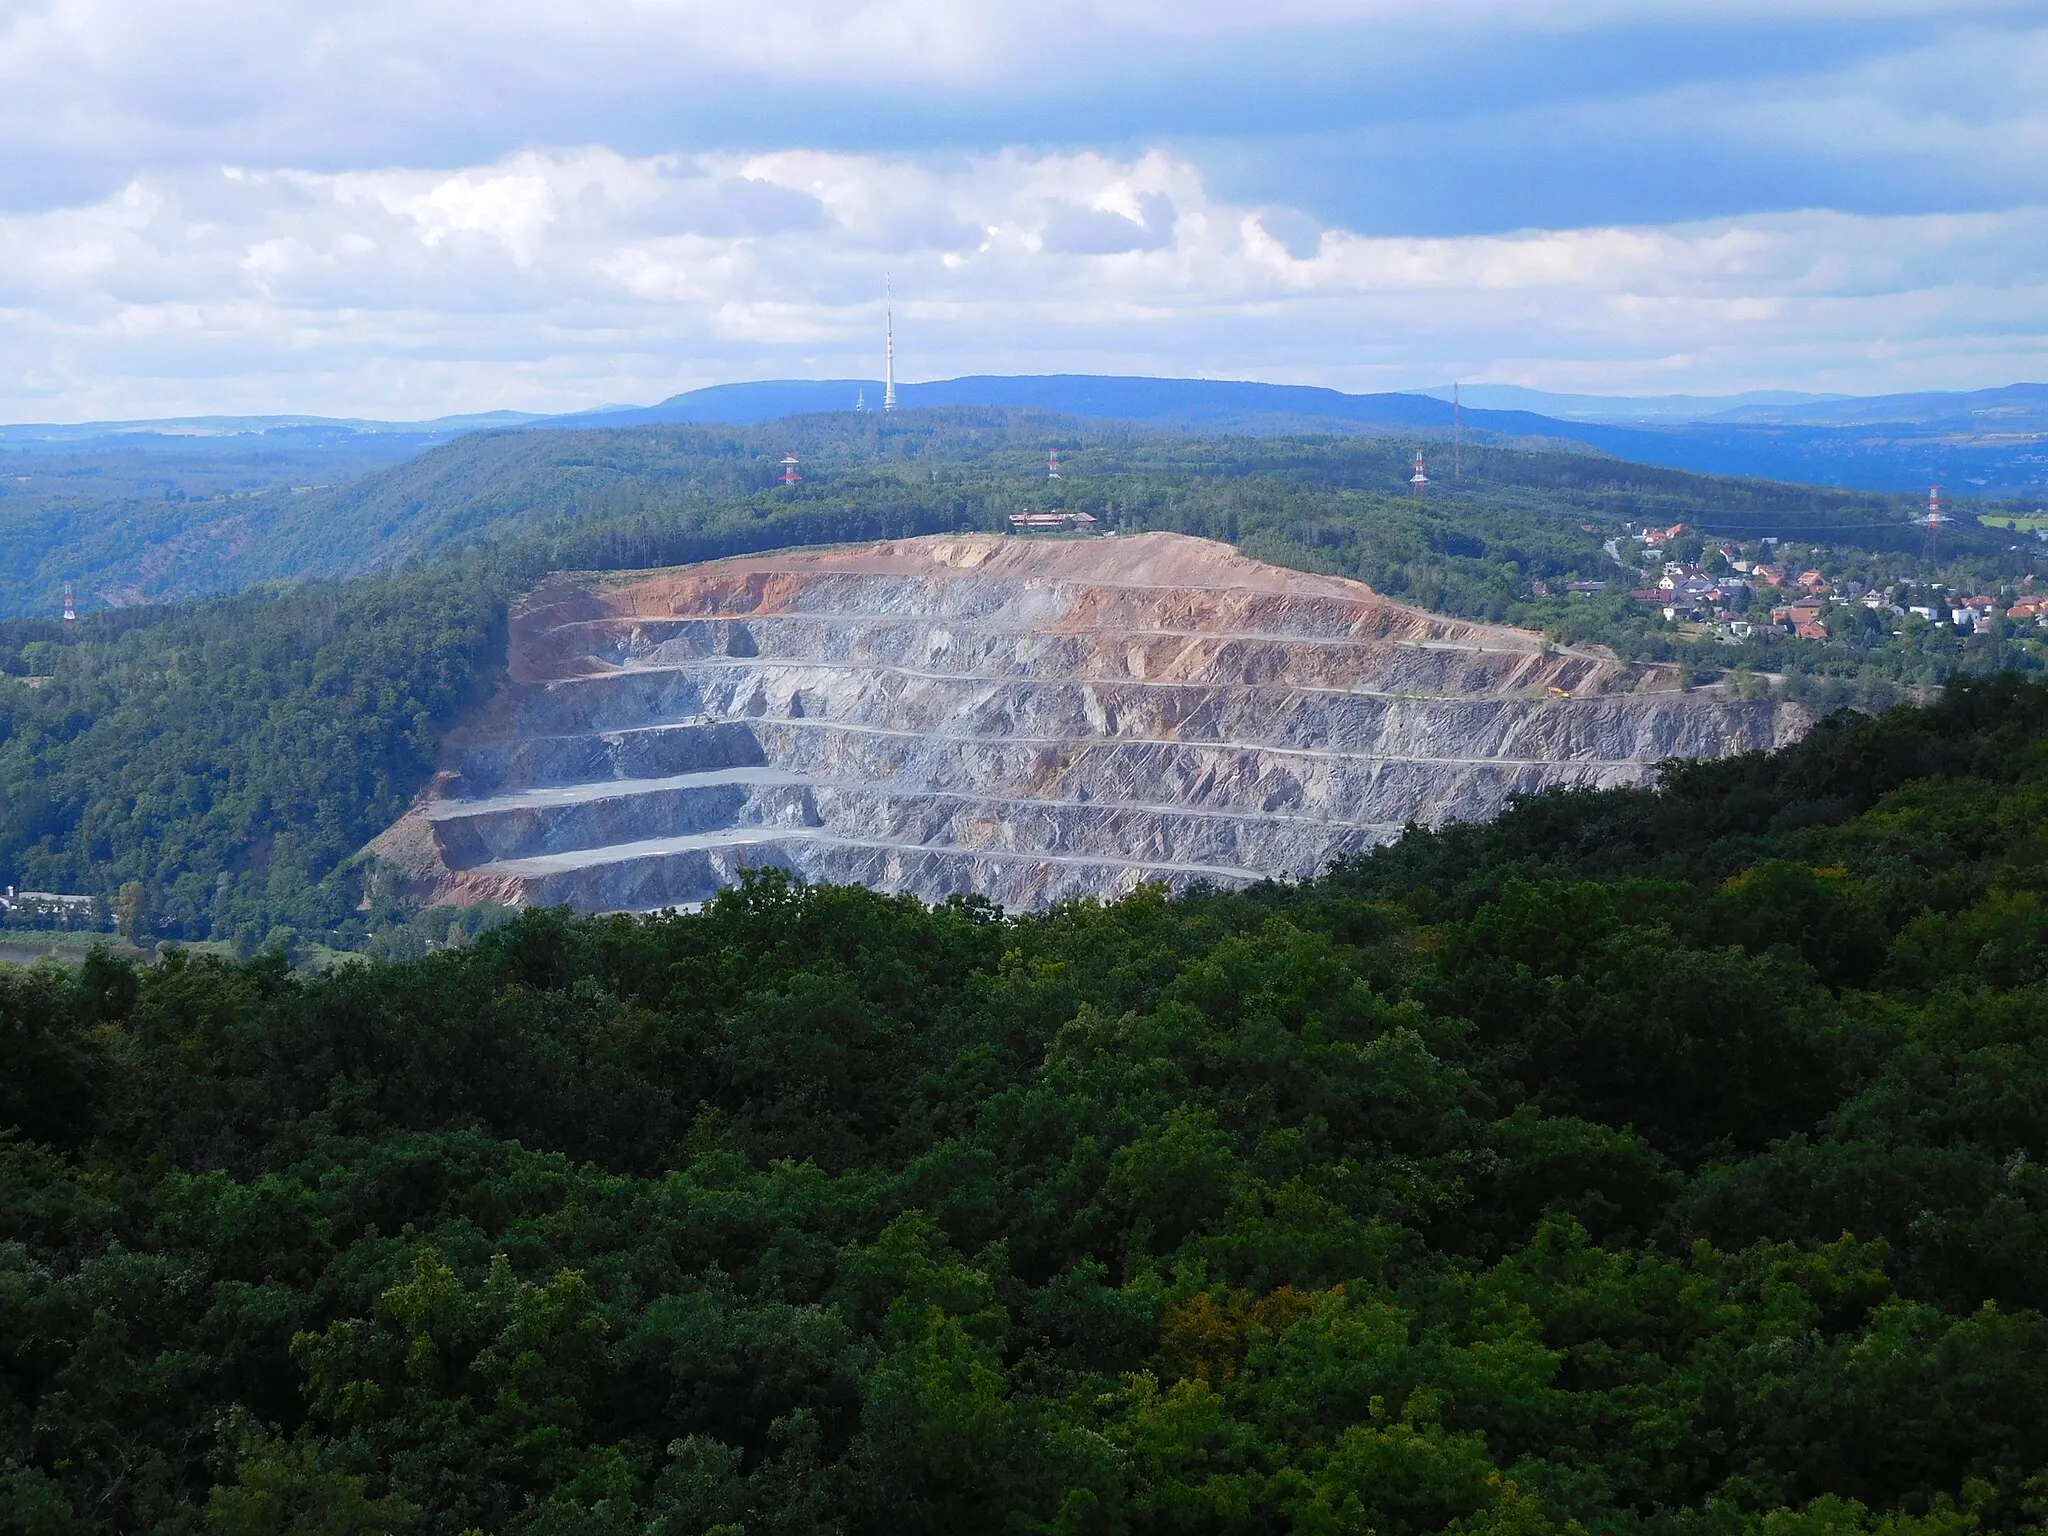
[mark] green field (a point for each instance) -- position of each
(25, 946)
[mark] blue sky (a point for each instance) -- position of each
(405, 209)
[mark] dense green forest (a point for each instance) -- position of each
(987, 463)
(1640, 1163)
(156, 517)
(226, 759)
(228, 756)
(1507, 519)
(136, 526)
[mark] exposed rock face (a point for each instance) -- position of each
(1023, 720)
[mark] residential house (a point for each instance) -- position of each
(1797, 616)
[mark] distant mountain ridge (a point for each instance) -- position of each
(1133, 397)
(1989, 443)
(1623, 410)
(2007, 408)
(1978, 443)
(1228, 404)
(184, 431)
(2011, 407)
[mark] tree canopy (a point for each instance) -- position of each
(1644, 1162)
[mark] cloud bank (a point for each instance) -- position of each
(392, 211)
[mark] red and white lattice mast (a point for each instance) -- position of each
(1932, 520)
(70, 607)
(1420, 479)
(1052, 465)
(789, 474)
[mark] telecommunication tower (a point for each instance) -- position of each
(70, 608)
(860, 400)
(1931, 521)
(1420, 479)
(889, 353)
(789, 474)
(1052, 467)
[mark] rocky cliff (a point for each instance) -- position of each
(1026, 720)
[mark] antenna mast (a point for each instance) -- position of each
(1934, 519)
(889, 358)
(789, 474)
(1420, 479)
(1052, 468)
(70, 608)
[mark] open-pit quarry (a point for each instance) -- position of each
(1024, 720)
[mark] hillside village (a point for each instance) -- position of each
(1736, 590)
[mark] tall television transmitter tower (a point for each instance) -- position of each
(889, 355)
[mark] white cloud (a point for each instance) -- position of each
(386, 237)
(566, 279)
(99, 88)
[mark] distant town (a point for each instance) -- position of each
(1734, 590)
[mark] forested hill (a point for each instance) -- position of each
(975, 465)
(132, 518)
(209, 535)
(978, 465)
(1982, 438)
(1648, 1163)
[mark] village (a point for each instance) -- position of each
(47, 909)
(1735, 591)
